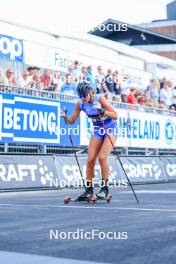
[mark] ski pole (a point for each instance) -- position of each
(74, 151)
(129, 182)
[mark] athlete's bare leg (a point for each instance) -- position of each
(105, 150)
(93, 150)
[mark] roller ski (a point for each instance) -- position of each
(86, 196)
(89, 197)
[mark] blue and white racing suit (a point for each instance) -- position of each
(98, 129)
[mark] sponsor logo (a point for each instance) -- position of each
(71, 172)
(89, 127)
(46, 175)
(171, 169)
(29, 120)
(169, 131)
(22, 172)
(11, 48)
(146, 170)
(72, 177)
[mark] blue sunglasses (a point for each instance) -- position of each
(83, 95)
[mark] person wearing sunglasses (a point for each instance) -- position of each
(102, 114)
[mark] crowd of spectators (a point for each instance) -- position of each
(158, 93)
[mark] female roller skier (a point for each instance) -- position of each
(102, 114)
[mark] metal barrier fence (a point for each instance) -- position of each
(23, 148)
(9, 89)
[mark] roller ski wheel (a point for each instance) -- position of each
(89, 199)
(67, 200)
(109, 198)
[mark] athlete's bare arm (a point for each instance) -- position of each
(72, 119)
(109, 109)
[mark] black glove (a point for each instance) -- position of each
(100, 110)
(63, 112)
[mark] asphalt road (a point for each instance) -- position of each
(38, 223)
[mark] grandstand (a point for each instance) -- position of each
(48, 50)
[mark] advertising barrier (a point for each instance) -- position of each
(25, 119)
(169, 167)
(24, 171)
(29, 171)
(34, 120)
(138, 169)
(138, 129)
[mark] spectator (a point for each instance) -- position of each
(9, 78)
(170, 85)
(24, 80)
(1, 77)
(166, 95)
(31, 73)
(76, 72)
(146, 96)
(131, 98)
(56, 81)
(172, 107)
(162, 105)
(149, 104)
(89, 76)
(70, 69)
(69, 88)
(99, 79)
(125, 88)
(108, 85)
(117, 87)
(36, 70)
(83, 73)
(163, 82)
(141, 98)
(154, 90)
(173, 98)
(37, 82)
(46, 79)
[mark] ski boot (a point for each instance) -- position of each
(86, 195)
(103, 193)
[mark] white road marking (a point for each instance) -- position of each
(87, 207)
(153, 191)
(21, 258)
(46, 192)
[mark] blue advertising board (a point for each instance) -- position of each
(11, 48)
(34, 120)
